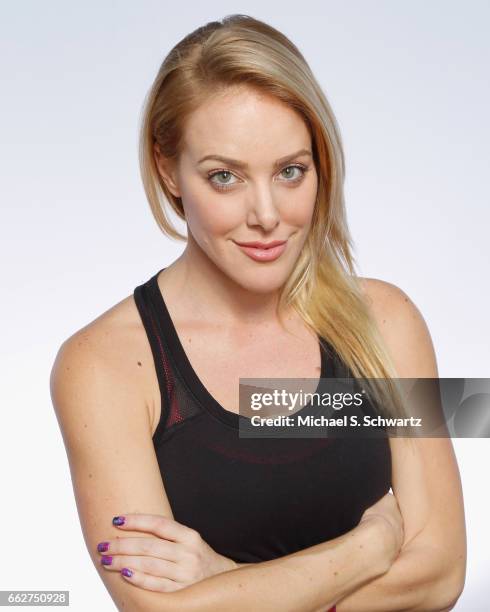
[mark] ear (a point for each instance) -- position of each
(166, 170)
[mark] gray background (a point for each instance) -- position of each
(409, 85)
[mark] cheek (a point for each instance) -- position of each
(210, 214)
(302, 205)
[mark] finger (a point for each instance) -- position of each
(149, 546)
(148, 582)
(161, 526)
(159, 568)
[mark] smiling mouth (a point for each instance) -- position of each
(261, 254)
(262, 245)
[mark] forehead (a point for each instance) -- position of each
(243, 121)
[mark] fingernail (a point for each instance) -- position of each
(106, 560)
(118, 520)
(127, 572)
(103, 546)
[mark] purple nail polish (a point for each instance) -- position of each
(127, 572)
(106, 560)
(103, 546)
(118, 520)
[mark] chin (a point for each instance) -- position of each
(262, 280)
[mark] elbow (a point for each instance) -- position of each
(148, 601)
(454, 584)
(454, 591)
(446, 592)
(169, 601)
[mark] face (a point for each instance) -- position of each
(263, 191)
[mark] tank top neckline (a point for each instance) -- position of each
(195, 385)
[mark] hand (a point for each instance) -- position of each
(386, 513)
(174, 558)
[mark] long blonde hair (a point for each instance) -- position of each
(323, 286)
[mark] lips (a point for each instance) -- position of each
(267, 252)
(262, 245)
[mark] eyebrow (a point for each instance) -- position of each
(239, 164)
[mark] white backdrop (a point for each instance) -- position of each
(409, 85)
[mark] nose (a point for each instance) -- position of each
(263, 210)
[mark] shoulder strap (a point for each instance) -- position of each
(163, 369)
(177, 404)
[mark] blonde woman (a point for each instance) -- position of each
(178, 511)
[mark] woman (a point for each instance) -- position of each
(239, 139)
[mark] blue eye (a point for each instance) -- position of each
(226, 174)
(295, 168)
(222, 173)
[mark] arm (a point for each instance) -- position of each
(307, 581)
(107, 433)
(429, 573)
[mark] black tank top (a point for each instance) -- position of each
(252, 499)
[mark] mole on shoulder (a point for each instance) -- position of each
(139, 363)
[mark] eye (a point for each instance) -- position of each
(293, 178)
(226, 174)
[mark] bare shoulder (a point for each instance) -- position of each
(383, 294)
(115, 346)
(115, 329)
(402, 327)
(97, 372)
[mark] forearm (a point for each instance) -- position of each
(309, 580)
(420, 579)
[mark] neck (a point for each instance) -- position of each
(205, 292)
